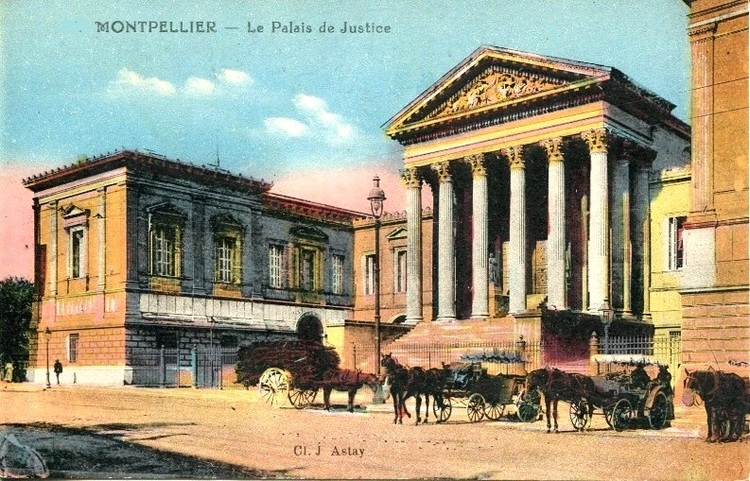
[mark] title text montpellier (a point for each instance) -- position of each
(153, 26)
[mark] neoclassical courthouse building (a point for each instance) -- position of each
(561, 190)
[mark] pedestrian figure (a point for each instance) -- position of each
(58, 369)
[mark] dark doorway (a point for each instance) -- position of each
(309, 328)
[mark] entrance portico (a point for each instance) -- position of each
(539, 162)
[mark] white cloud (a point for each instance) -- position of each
(199, 87)
(285, 126)
(128, 81)
(330, 126)
(233, 77)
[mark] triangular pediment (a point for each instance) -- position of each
(493, 79)
(71, 211)
(397, 234)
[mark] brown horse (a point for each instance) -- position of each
(726, 401)
(347, 380)
(407, 382)
(556, 385)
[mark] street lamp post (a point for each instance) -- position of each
(376, 198)
(607, 315)
(47, 337)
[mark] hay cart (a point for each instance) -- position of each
(283, 370)
(484, 395)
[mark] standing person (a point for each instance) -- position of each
(58, 370)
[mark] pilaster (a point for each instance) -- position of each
(53, 254)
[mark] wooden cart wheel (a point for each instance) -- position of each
(658, 412)
(494, 410)
(273, 385)
(608, 415)
(301, 398)
(528, 406)
(622, 414)
(579, 414)
(475, 407)
(442, 409)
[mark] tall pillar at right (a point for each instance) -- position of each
(556, 224)
(413, 183)
(598, 248)
(517, 247)
(640, 235)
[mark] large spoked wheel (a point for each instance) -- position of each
(657, 414)
(273, 385)
(608, 415)
(622, 414)
(302, 398)
(528, 407)
(579, 414)
(442, 409)
(494, 410)
(475, 407)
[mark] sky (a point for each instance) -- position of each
(290, 104)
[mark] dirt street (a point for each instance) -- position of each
(132, 432)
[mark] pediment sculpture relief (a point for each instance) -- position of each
(493, 87)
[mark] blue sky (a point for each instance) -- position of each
(276, 103)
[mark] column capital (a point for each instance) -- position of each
(637, 154)
(476, 161)
(443, 171)
(515, 157)
(702, 32)
(411, 178)
(597, 140)
(554, 149)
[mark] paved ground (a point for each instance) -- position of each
(184, 433)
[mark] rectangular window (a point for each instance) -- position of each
(275, 263)
(369, 280)
(225, 252)
(307, 270)
(337, 274)
(163, 251)
(73, 348)
(399, 279)
(76, 253)
(676, 248)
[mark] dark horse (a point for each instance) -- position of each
(415, 381)
(726, 400)
(346, 380)
(556, 385)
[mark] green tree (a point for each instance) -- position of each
(16, 295)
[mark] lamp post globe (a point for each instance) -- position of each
(377, 198)
(607, 316)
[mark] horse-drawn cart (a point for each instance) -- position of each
(484, 395)
(627, 400)
(296, 370)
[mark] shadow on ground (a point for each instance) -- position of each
(100, 452)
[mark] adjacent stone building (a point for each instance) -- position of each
(136, 252)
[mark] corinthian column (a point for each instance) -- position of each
(446, 255)
(517, 248)
(598, 251)
(413, 183)
(479, 252)
(640, 239)
(556, 224)
(620, 240)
